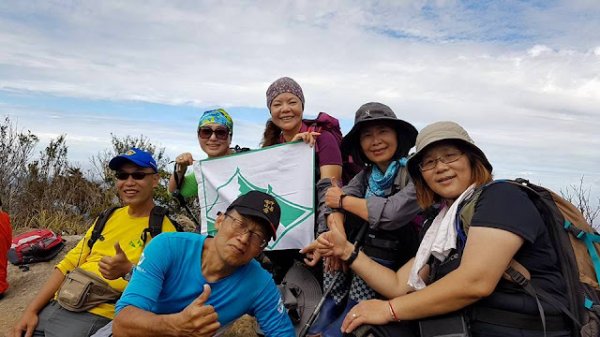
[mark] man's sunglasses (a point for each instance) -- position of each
(134, 175)
(207, 132)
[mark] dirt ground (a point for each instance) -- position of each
(25, 284)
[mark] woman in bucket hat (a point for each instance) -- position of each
(382, 197)
(285, 100)
(452, 272)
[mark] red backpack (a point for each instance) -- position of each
(329, 123)
(35, 246)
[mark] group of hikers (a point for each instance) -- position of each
(387, 244)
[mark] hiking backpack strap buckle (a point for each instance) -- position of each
(155, 221)
(588, 239)
(99, 226)
(517, 277)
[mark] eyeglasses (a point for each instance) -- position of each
(207, 132)
(135, 175)
(240, 228)
(447, 158)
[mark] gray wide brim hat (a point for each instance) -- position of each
(440, 131)
(301, 293)
(372, 112)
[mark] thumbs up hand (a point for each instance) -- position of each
(113, 267)
(334, 194)
(198, 318)
(336, 182)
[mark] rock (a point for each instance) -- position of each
(24, 285)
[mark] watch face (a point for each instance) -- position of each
(127, 276)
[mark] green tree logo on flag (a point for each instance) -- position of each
(284, 171)
(292, 214)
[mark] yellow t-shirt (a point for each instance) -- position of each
(121, 227)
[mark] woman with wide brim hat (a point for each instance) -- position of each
(382, 197)
(453, 271)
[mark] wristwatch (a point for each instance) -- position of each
(127, 276)
(353, 255)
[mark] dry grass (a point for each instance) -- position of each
(58, 221)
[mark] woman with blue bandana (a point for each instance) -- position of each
(215, 130)
(382, 197)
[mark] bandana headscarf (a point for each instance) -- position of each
(216, 116)
(282, 85)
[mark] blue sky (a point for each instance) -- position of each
(523, 77)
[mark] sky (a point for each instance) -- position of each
(523, 77)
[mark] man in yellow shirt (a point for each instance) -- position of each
(112, 256)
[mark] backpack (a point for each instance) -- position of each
(35, 246)
(154, 224)
(578, 248)
(329, 123)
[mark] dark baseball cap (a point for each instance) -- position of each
(134, 156)
(260, 205)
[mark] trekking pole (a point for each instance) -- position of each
(181, 200)
(357, 242)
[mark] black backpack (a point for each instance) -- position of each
(155, 221)
(577, 245)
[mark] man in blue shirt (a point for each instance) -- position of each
(187, 284)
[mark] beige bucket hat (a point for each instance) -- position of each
(439, 131)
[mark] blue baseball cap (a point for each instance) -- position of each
(133, 156)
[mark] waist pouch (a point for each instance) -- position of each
(82, 290)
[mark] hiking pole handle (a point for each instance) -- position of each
(357, 243)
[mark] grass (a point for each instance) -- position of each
(58, 221)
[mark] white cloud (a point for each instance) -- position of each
(522, 77)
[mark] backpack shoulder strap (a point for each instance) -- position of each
(404, 175)
(99, 225)
(467, 208)
(155, 221)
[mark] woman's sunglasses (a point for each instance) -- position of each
(134, 175)
(220, 133)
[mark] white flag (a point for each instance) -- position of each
(285, 171)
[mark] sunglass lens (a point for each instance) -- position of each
(134, 175)
(205, 133)
(221, 133)
(138, 175)
(122, 175)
